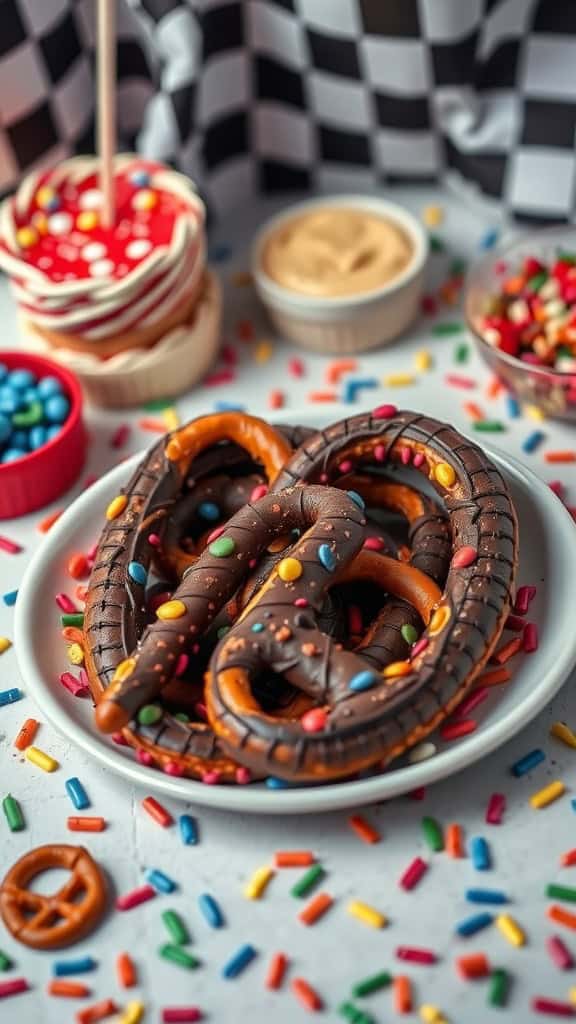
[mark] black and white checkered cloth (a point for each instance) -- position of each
(274, 95)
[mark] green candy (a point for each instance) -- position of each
(444, 329)
(222, 547)
(354, 1015)
(13, 813)
(179, 956)
(489, 426)
(457, 268)
(5, 962)
(181, 716)
(461, 354)
(73, 619)
(498, 990)
(566, 257)
(561, 892)
(29, 417)
(535, 283)
(308, 881)
(433, 834)
(409, 633)
(150, 714)
(371, 984)
(175, 925)
(222, 631)
(436, 244)
(158, 404)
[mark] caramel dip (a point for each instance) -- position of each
(335, 252)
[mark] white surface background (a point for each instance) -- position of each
(338, 950)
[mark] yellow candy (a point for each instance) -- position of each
(547, 795)
(45, 196)
(171, 419)
(439, 619)
(534, 413)
(431, 1014)
(445, 474)
(562, 732)
(432, 216)
(397, 668)
(171, 610)
(86, 220)
(368, 915)
(133, 1013)
(5, 644)
(290, 569)
(398, 380)
(75, 654)
(41, 760)
(263, 352)
(423, 360)
(510, 929)
(258, 882)
(116, 506)
(145, 200)
(26, 237)
(124, 669)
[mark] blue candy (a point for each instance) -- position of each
(210, 910)
(188, 830)
(10, 401)
(494, 896)
(21, 379)
(56, 408)
(10, 696)
(137, 572)
(239, 961)
(357, 499)
(11, 454)
(208, 510)
(30, 395)
(10, 598)
(5, 429)
(140, 179)
(480, 853)
(363, 681)
(77, 794)
(326, 557)
(49, 386)
(37, 437)
(160, 881)
(474, 924)
(61, 968)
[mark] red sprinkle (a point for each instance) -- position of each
(413, 873)
(474, 965)
(454, 380)
(471, 702)
(384, 412)
(524, 596)
(10, 546)
(181, 1015)
(429, 306)
(133, 899)
(306, 995)
(415, 955)
(559, 952)
(553, 1007)
(219, 377)
(363, 829)
(276, 971)
(464, 557)
(530, 638)
(75, 686)
(296, 367)
(120, 436)
(314, 720)
(495, 809)
(515, 623)
(181, 665)
(65, 604)
(419, 646)
(275, 399)
(557, 487)
(98, 1011)
(454, 730)
(13, 987)
(374, 544)
(568, 859)
(419, 459)
(157, 811)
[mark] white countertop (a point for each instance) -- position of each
(339, 950)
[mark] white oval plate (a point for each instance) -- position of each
(547, 559)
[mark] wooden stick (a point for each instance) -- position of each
(106, 58)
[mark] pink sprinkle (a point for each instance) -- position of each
(515, 623)
(119, 739)
(405, 456)
(210, 778)
(379, 453)
(133, 899)
(416, 956)
(83, 677)
(215, 534)
(345, 466)
(66, 604)
(144, 757)
(419, 460)
(296, 367)
(260, 491)
(301, 602)
(413, 873)
(154, 540)
(495, 809)
(252, 563)
(384, 412)
(419, 646)
(201, 711)
(323, 478)
(73, 685)
(181, 1015)
(523, 598)
(559, 952)
(464, 557)
(457, 381)
(172, 768)
(454, 730)
(229, 355)
(10, 546)
(220, 377)
(557, 487)
(374, 544)
(530, 638)
(120, 436)
(181, 665)
(471, 702)
(242, 776)
(13, 987)
(553, 1007)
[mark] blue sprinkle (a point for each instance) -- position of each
(527, 763)
(49, 386)
(355, 384)
(160, 881)
(512, 407)
(493, 896)
(357, 499)
(480, 853)
(10, 696)
(77, 794)
(220, 253)
(188, 830)
(137, 572)
(228, 407)
(274, 783)
(21, 379)
(140, 178)
(488, 241)
(363, 681)
(208, 510)
(60, 968)
(239, 961)
(210, 910)
(257, 627)
(10, 598)
(326, 557)
(474, 924)
(533, 441)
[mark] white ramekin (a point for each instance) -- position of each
(352, 323)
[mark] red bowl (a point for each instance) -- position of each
(42, 476)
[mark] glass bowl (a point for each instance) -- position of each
(552, 391)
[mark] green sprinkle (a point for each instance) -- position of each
(354, 1015)
(489, 426)
(433, 834)
(561, 892)
(175, 925)
(158, 404)
(150, 714)
(13, 813)
(5, 962)
(498, 990)
(409, 633)
(448, 327)
(566, 257)
(371, 984)
(461, 353)
(458, 267)
(29, 417)
(181, 716)
(436, 244)
(222, 547)
(76, 619)
(222, 631)
(177, 955)
(309, 879)
(536, 281)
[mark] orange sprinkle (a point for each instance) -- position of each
(567, 456)
(45, 524)
(126, 970)
(363, 829)
(336, 369)
(568, 859)
(494, 388)
(513, 285)
(77, 566)
(74, 989)
(275, 399)
(507, 651)
(316, 908)
(154, 426)
(26, 735)
(322, 396)
(494, 677)
(276, 971)
(85, 824)
(561, 916)
(293, 858)
(402, 990)
(81, 593)
(473, 411)
(98, 1011)
(306, 995)
(453, 841)
(73, 635)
